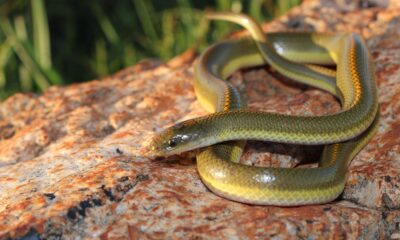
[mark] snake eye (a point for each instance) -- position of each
(172, 142)
(177, 141)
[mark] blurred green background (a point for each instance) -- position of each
(43, 43)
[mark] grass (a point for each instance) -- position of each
(44, 43)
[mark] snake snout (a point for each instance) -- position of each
(157, 145)
(177, 139)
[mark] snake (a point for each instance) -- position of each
(221, 135)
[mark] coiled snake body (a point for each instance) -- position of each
(223, 133)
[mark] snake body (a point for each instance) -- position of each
(291, 54)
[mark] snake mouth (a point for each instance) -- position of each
(161, 149)
(167, 144)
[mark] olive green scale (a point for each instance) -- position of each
(223, 132)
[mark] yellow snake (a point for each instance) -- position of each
(223, 132)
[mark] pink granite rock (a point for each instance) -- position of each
(73, 161)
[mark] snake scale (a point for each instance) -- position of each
(222, 134)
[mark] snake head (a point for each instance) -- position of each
(179, 138)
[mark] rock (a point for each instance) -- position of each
(73, 161)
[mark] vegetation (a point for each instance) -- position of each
(43, 43)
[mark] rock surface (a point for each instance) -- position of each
(73, 161)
